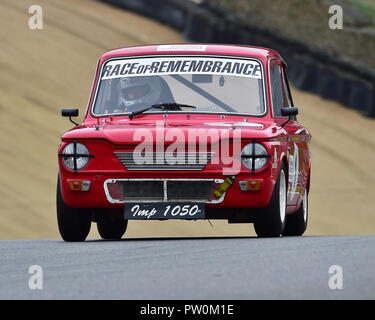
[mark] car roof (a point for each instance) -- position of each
(260, 53)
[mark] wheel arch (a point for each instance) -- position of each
(308, 178)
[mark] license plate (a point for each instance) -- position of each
(161, 211)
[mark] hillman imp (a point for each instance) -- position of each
(185, 131)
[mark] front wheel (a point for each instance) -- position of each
(111, 224)
(74, 224)
(270, 222)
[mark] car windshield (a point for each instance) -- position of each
(211, 84)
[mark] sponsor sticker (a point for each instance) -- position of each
(181, 65)
(275, 158)
(294, 170)
(182, 47)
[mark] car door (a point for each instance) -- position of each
(297, 140)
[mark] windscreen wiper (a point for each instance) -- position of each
(164, 106)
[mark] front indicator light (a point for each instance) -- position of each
(79, 185)
(251, 185)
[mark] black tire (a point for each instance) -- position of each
(296, 223)
(270, 222)
(111, 224)
(74, 224)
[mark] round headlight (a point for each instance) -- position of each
(254, 149)
(75, 156)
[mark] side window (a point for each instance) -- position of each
(287, 94)
(288, 97)
(277, 90)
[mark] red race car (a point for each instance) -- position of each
(186, 131)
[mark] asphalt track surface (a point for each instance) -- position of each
(190, 268)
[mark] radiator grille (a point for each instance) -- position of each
(182, 190)
(155, 190)
(165, 161)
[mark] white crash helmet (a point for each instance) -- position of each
(139, 92)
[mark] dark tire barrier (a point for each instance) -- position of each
(332, 77)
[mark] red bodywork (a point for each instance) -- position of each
(105, 135)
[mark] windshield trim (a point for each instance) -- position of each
(234, 57)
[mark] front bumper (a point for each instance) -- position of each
(98, 196)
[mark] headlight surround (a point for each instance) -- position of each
(250, 152)
(75, 156)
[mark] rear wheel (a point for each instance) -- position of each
(74, 224)
(270, 222)
(111, 224)
(296, 223)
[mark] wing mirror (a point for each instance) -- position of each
(70, 113)
(292, 111)
(288, 112)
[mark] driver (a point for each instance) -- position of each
(136, 92)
